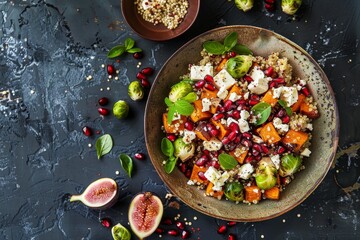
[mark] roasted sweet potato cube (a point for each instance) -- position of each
(296, 106)
(214, 105)
(269, 134)
(222, 129)
(234, 89)
(309, 110)
(221, 65)
(206, 93)
(252, 194)
(296, 139)
(272, 193)
(210, 192)
(195, 175)
(175, 126)
(239, 154)
(269, 98)
(198, 114)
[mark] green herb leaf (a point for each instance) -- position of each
(170, 165)
(227, 162)
(116, 51)
(103, 145)
(262, 112)
(242, 50)
(168, 102)
(284, 105)
(126, 163)
(134, 50)
(167, 148)
(171, 113)
(129, 43)
(230, 40)
(214, 47)
(190, 97)
(184, 107)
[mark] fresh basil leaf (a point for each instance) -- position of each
(262, 112)
(214, 47)
(168, 102)
(284, 105)
(167, 148)
(227, 162)
(116, 51)
(134, 50)
(170, 165)
(230, 40)
(103, 145)
(129, 43)
(242, 50)
(126, 163)
(190, 97)
(171, 113)
(184, 107)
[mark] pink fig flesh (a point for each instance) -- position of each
(145, 213)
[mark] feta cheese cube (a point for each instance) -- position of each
(224, 80)
(306, 152)
(199, 72)
(246, 95)
(206, 103)
(276, 160)
(245, 171)
(289, 95)
(282, 128)
(213, 144)
(277, 92)
(221, 181)
(259, 86)
(190, 182)
(243, 125)
(189, 136)
(234, 97)
(212, 174)
(257, 74)
(230, 120)
(244, 114)
(222, 93)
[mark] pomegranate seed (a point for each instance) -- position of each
(234, 127)
(188, 173)
(225, 140)
(140, 76)
(173, 232)
(273, 84)
(209, 78)
(103, 111)
(305, 91)
(167, 221)
(237, 139)
(180, 225)
(147, 71)
(214, 132)
(110, 69)
(281, 150)
(254, 152)
(249, 159)
(279, 80)
(248, 79)
(253, 102)
(139, 156)
(210, 127)
(159, 230)
(202, 176)
(246, 143)
(87, 131)
(185, 234)
(232, 54)
(254, 97)
(218, 116)
(236, 114)
(264, 149)
(202, 160)
(103, 101)
(138, 55)
(200, 84)
(227, 105)
(145, 83)
(182, 168)
(270, 1)
(171, 137)
(269, 72)
(98, 131)
(222, 229)
(281, 113)
(269, 7)
(241, 102)
(231, 224)
(231, 237)
(189, 126)
(206, 152)
(247, 135)
(257, 147)
(210, 87)
(285, 119)
(215, 164)
(232, 136)
(258, 157)
(106, 222)
(221, 109)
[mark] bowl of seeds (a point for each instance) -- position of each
(160, 20)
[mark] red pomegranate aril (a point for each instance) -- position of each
(140, 76)
(206, 152)
(281, 113)
(232, 54)
(227, 105)
(173, 232)
(110, 69)
(258, 157)
(106, 222)
(200, 84)
(234, 127)
(270, 1)
(257, 147)
(103, 101)
(138, 55)
(225, 140)
(269, 71)
(249, 159)
(248, 78)
(305, 91)
(264, 149)
(87, 131)
(247, 135)
(201, 161)
(103, 111)
(139, 156)
(273, 84)
(285, 119)
(241, 102)
(145, 83)
(231, 223)
(253, 102)
(281, 150)
(218, 116)
(237, 139)
(210, 87)
(188, 173)
(231, 237)
(236, 114)
(189, 126)
(185, 234)
(221, 109)
(147, 71)
(183, 167)
(222, 229)
(214, 132)
(279, 80)
(210, 127)
(232, 136)
(209, 78)
(167, 221)
(159, 230)
(254, 97)
(171, 137)
(180, 225)
(269, 7)
(215, 164)
(201, 175)
(246, 143)
(254, 152)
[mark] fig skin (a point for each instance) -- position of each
(144, 203)
(104, 189)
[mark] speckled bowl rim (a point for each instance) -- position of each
(334, 141)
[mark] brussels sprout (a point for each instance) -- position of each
(182, 150)
(136, 91)
(244, 5)
(238, 66)
(265, 175)
(120, 109)
(179, 90)
(290, 6)
(234, 191)
(289, 164)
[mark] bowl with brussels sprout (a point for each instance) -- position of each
(241, 124)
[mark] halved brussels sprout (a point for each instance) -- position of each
(120, 109)
(179, 90)
(136, 91)
(244, 5)
(182, 150)
(238, 66)
(234, 191)
(265, 175)
(289, 164)
(290, 6)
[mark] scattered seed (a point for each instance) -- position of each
(262, 236)
(102, 65)
(298, 215)
(116, 78)
(283, 220)
(108, 88)
(101, 89)
(89, 145)
(117, 172)
(195, 218)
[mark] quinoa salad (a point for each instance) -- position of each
(238, 126)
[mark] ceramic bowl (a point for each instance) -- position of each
(157, 32)
(325, 134)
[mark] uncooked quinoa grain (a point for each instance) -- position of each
(169, 12)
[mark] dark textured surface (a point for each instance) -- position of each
(48, 48)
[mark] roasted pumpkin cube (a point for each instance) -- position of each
(210, 192)
(309, 110)
(234, 89)
(195, 175)
(239, 154)
(222, 129)
(206, 93)
(296, 106)
(252, 194)
(296, 139)
(221, 65)
(175, 126)
(198, 114)
(272, 193)
(269, 134)
(269, 98)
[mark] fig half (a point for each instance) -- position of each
(100, 194)
(145, 213)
